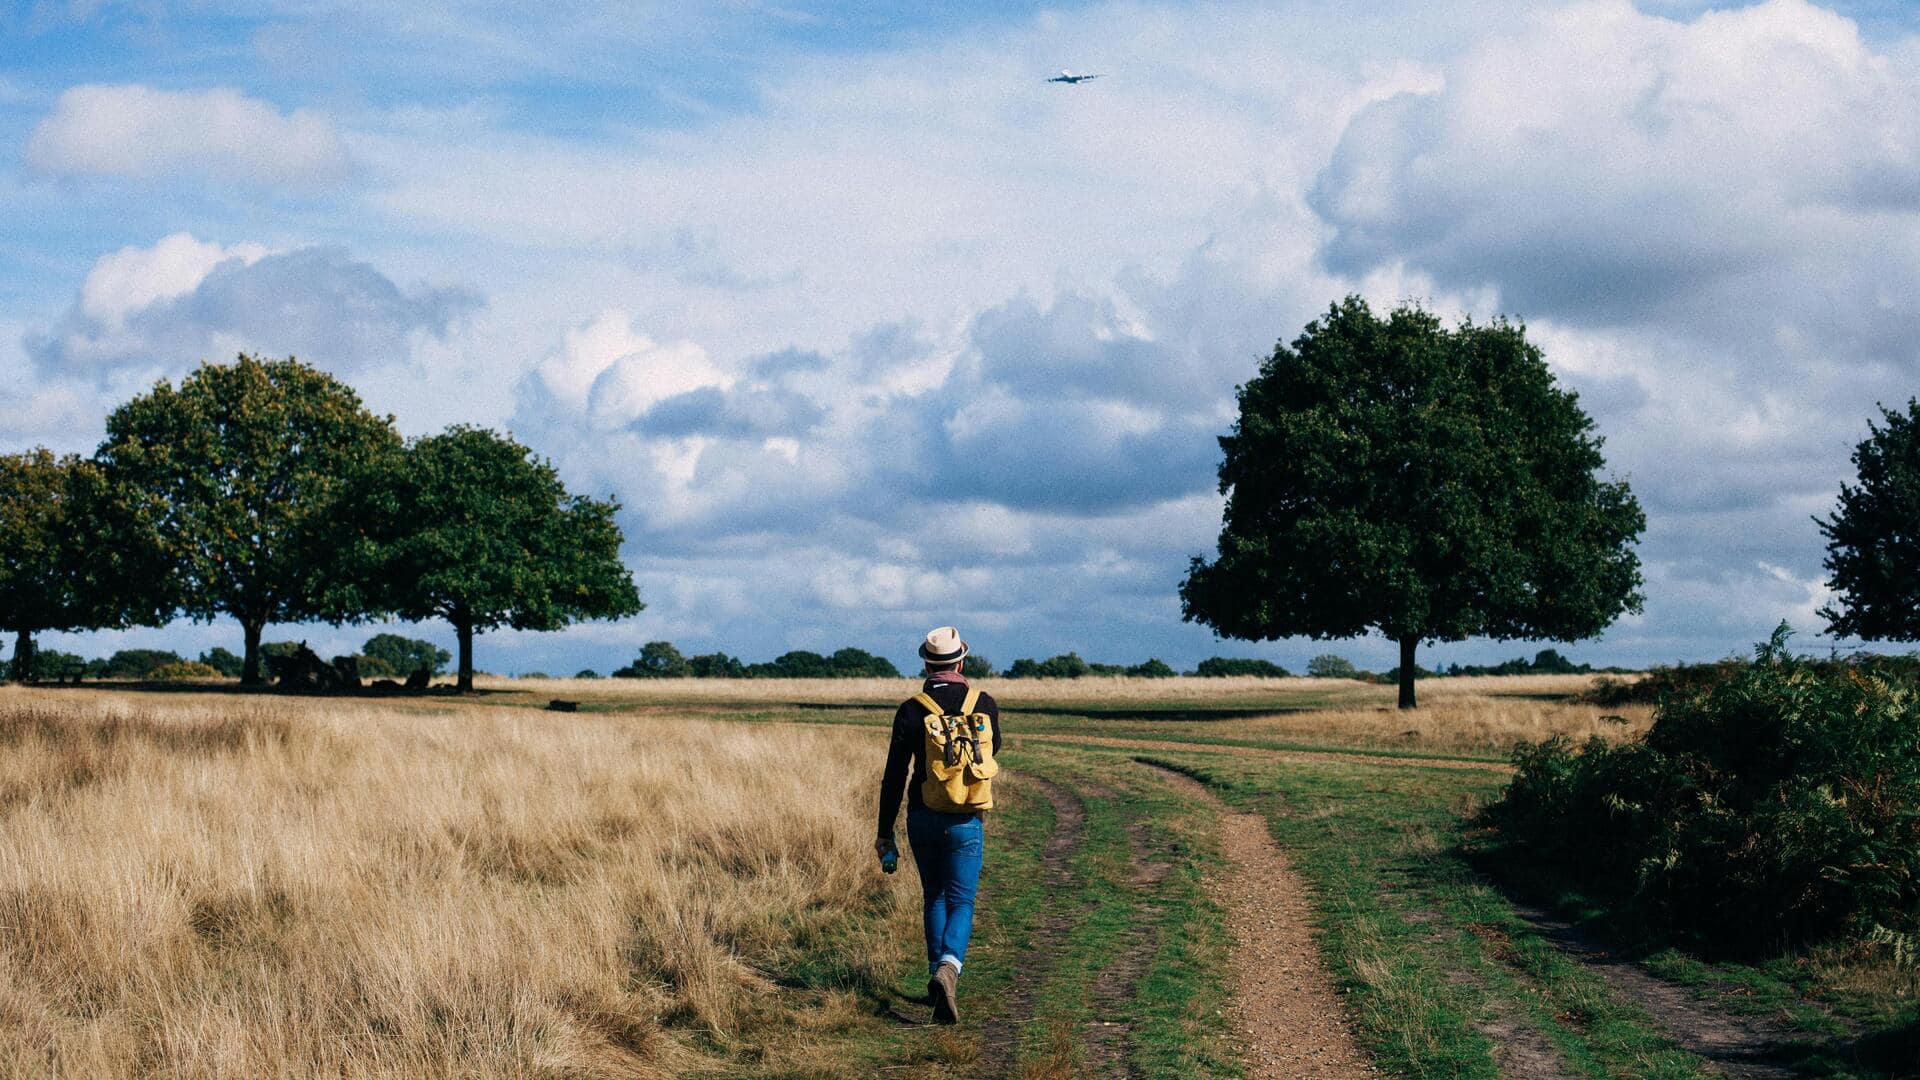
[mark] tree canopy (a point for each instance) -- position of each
(1427, 483)
(41, 550)
(1873, 537)
(469, 526)
(240, 471)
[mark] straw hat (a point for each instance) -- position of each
(943, 646)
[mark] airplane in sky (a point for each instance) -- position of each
(1069, 77)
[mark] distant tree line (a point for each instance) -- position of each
(383, 656)
(264, 490)
(1544, 662)
(663, 660)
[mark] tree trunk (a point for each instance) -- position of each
(23, 657)
(465, 684)
(250, 669)
(1407, 645)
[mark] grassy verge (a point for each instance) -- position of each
(1439, 969)
(1856, 1010)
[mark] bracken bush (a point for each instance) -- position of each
(1771, 807)
(184, 671)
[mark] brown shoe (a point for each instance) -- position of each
(944, 989)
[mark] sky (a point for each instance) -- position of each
(869, 328)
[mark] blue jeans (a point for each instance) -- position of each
(947, 848)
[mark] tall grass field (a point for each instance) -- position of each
(677, 880)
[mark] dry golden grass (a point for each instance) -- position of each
(239, 887)
(1475, 715)
(1447, 724)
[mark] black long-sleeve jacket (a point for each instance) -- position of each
(908, 745)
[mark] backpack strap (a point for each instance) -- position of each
(973, 698)
(933, 708)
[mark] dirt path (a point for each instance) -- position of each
(1288, 1019)
(1743, 1047)
(1260, 751)
(1002, 1035)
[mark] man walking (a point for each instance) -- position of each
(949, 734)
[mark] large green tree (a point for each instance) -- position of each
(1873, 537)
(1425, 482)
(474, 529)
(47, 505)
(242, 469)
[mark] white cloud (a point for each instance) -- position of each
(160, 309)
(614, 374)
(1609, 166)
(220, 135)
(134, 278)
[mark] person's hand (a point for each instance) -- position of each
(881, 846)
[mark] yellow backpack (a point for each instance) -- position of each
(959, 757)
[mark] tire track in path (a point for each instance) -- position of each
(1108, 1042)
(1287, 1018)
(1001, 1038)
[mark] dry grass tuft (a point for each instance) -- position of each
(210, 887)
(1054, 1062)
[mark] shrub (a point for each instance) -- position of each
(1544, 662)
(1661, 682)
(847, 663)
(373, 667)
(223, 661)
(657, 660)
(976, 667)
(1391, 676)
(716, 666)
(1771, 806)
(184, 671)
(139, 663)
(405, 655)
(52, 665)
(1329, 666)
(860, 664)
(1069, 666)
(1154, 668)
(586, 673)
(798, 664)
(1222, 667)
